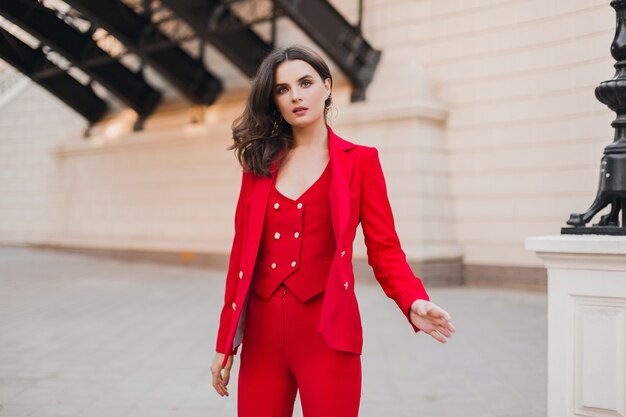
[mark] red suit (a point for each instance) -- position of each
(304, 266)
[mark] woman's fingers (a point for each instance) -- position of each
(437, 336)
(450, 327)
(219, 380)
(219, 383)
(222, 386)
(447, 324)
(433, 320)
(428, 308)
(226, 377)
(443, 321)
(444, 331)
(216, 380)
(439, 312)
(224, 380)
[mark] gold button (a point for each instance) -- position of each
(296, 235)
(234, 306)
(273, 265)
(299, 205)
(240, 274)
(293, 263)
(276, 205)
(276, 235)
(343, 252)
(345, 284)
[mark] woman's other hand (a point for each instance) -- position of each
(431, 319)
(220, 381)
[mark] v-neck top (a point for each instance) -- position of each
(320, 178)
(297, 241)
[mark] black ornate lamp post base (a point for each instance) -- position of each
(612, 186)
(593, 230)
(611, 191)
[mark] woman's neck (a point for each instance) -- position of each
(312, 136)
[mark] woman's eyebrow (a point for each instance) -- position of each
(299, 79)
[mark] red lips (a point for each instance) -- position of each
(299, 108)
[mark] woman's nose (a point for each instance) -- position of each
(295, 95)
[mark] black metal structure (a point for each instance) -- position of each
(144, 28)
(343, 43)
(612, 185)
(187, 74)
(83, 52)
(31, 61)
(215, 21)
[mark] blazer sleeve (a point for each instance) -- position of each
(384, 253)
(230, 288)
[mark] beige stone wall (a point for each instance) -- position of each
(525, 133)
(171, 187)
(31, 124)
(483, 112)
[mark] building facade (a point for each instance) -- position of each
(483, 112)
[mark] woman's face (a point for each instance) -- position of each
(298, 85)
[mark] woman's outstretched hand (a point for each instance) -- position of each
(431, 319)
(220, 381)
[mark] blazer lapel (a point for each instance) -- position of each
(341, 165)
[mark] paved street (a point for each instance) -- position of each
(93, 337)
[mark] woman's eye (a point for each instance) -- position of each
(306, 82)
(280, 90)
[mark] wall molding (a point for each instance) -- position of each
(436, 273)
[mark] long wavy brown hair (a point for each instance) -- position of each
(260, 133)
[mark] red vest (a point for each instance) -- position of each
(297, 242)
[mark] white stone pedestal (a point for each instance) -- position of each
(586, 323)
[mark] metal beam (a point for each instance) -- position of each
(187, 74)
(210, 19)
(78, 48)
(342, 42)
(29, 61)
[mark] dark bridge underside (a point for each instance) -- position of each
(31, 62)
(212, 21)
(81, 50)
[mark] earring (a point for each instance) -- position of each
(328, 109)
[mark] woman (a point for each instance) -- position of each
(289, 293)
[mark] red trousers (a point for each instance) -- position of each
(282, 352)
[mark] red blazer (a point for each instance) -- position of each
(358, 193)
